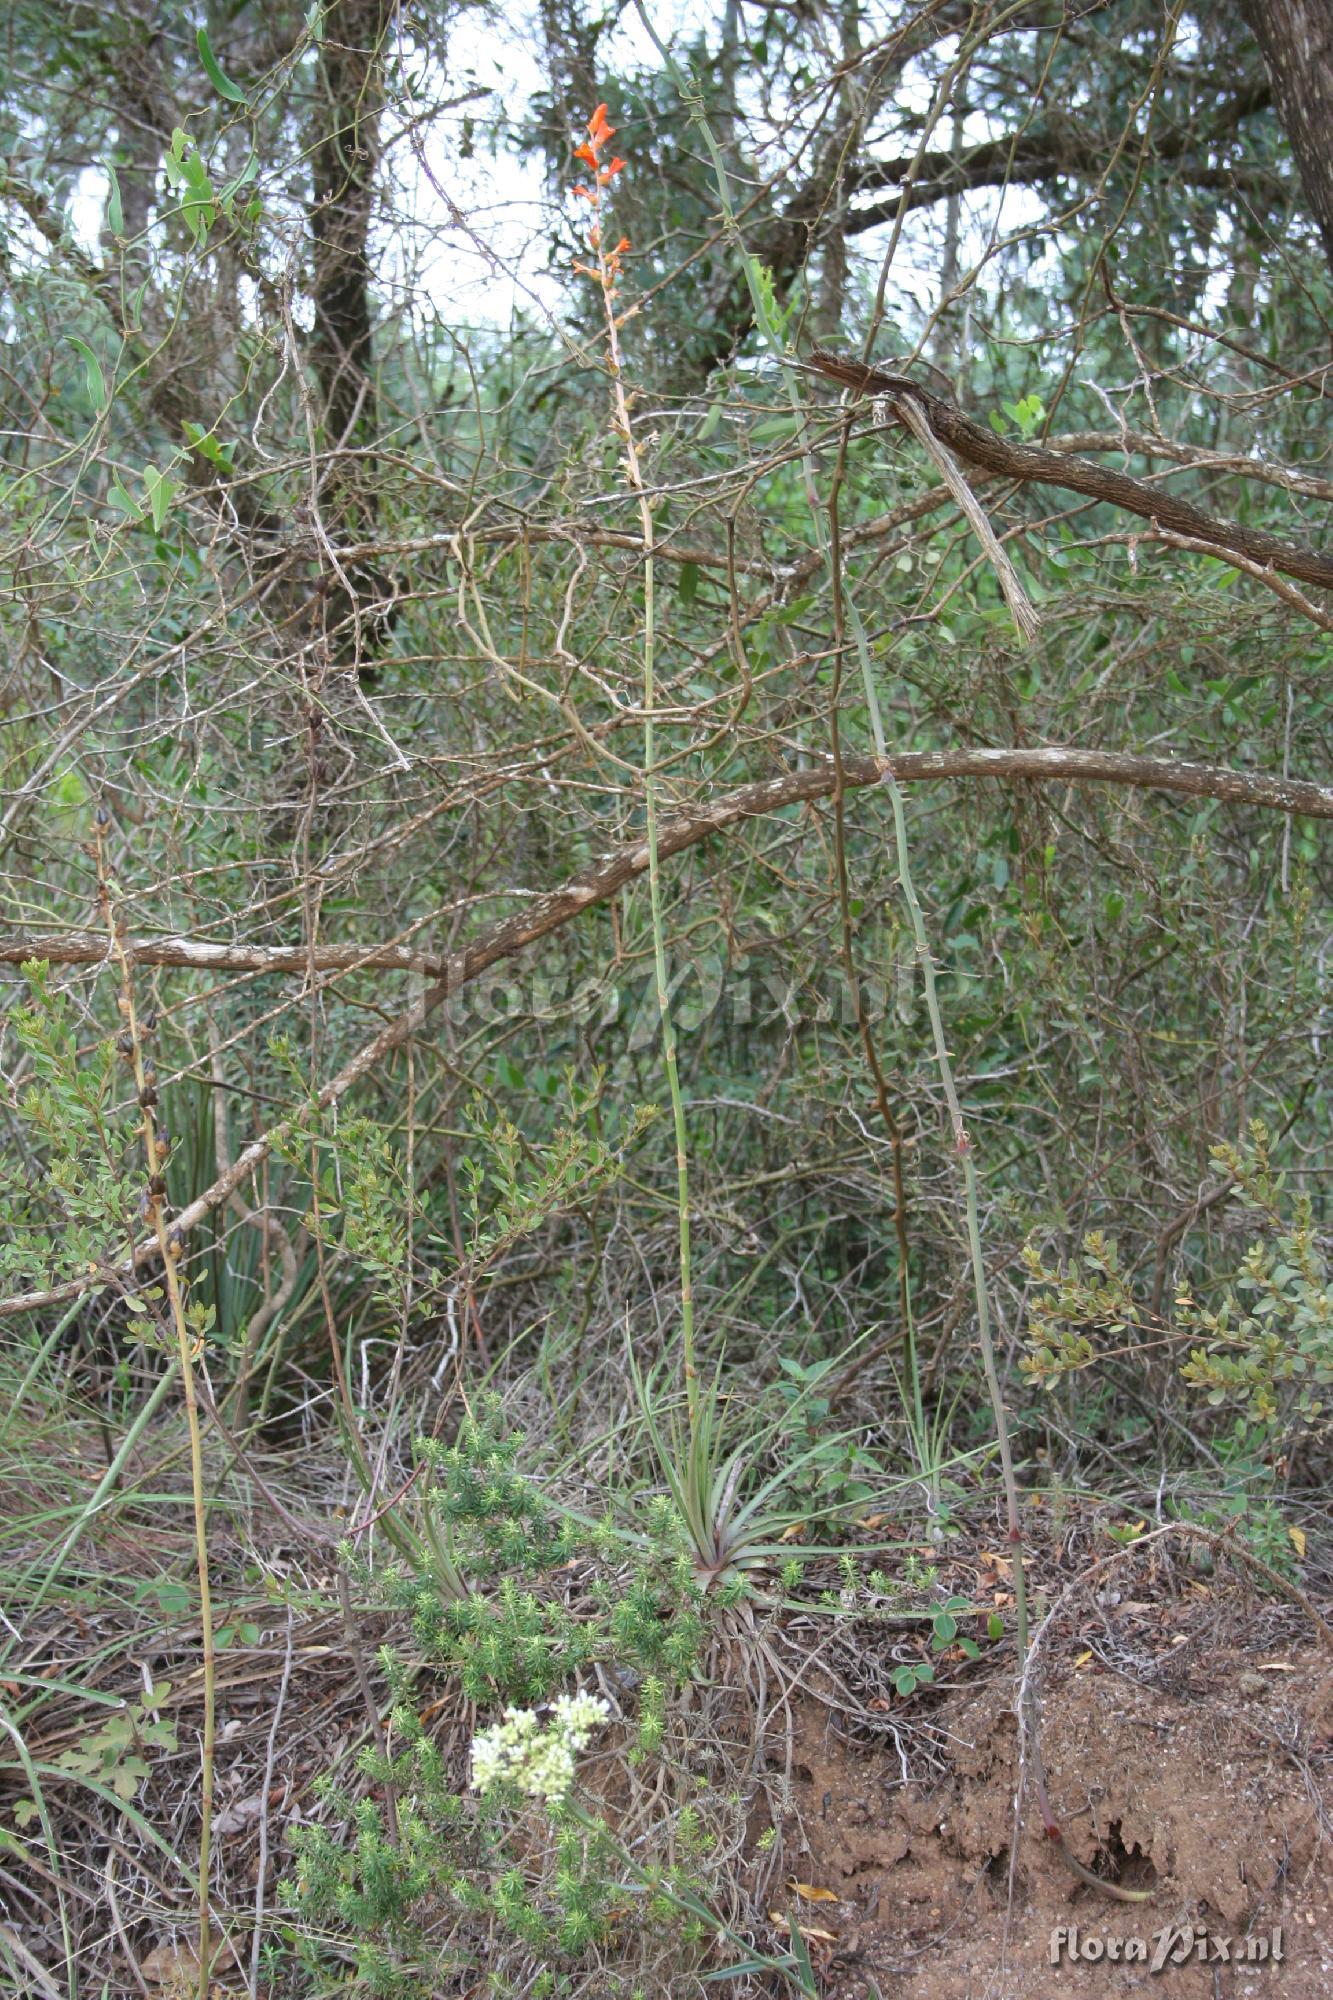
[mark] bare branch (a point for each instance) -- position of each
(597, 884)
(979, 446)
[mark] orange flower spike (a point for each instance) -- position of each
(587, 155)
(598, 129)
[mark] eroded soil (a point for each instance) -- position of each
(1195, 1774)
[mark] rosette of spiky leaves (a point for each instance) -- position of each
(734, 1520)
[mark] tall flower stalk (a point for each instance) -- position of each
(130, 1042)
(605, 270)
(849, 620)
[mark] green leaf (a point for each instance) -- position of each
(120, 498)
(70, 790)
(208, 446)
(97, 395)
(115, 209)
(160, 488)
(227, 199)
(188, 176)
(689, 582)
(801, 1954)
(1027, 414)
(219, 80)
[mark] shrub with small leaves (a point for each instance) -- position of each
(1264, 1341)
(538, 1759)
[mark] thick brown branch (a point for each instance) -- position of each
(977, 445)
(1296, 37)
(1027, 162)
(1063, 147)
(597, 883)
(605, 877)
(343, 163)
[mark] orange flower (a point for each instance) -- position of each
(591, 149)
(590, 152)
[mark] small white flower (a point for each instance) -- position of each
(540, 1762)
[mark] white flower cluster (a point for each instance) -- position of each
(539, 1761)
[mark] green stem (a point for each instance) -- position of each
(774, 335)
(634, 471)
(39, 1360)
(105, 1485)
(169, 1250)
(662, 979)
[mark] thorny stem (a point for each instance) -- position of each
(169, 1249)
(608, 264)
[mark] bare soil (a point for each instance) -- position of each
(1175, 1764)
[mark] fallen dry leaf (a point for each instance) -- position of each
(174, 1969)
(239, 1814)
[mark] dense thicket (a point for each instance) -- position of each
(325, 606)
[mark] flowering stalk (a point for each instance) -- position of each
(963, 1144)
(156, 1145)
(605, 272)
